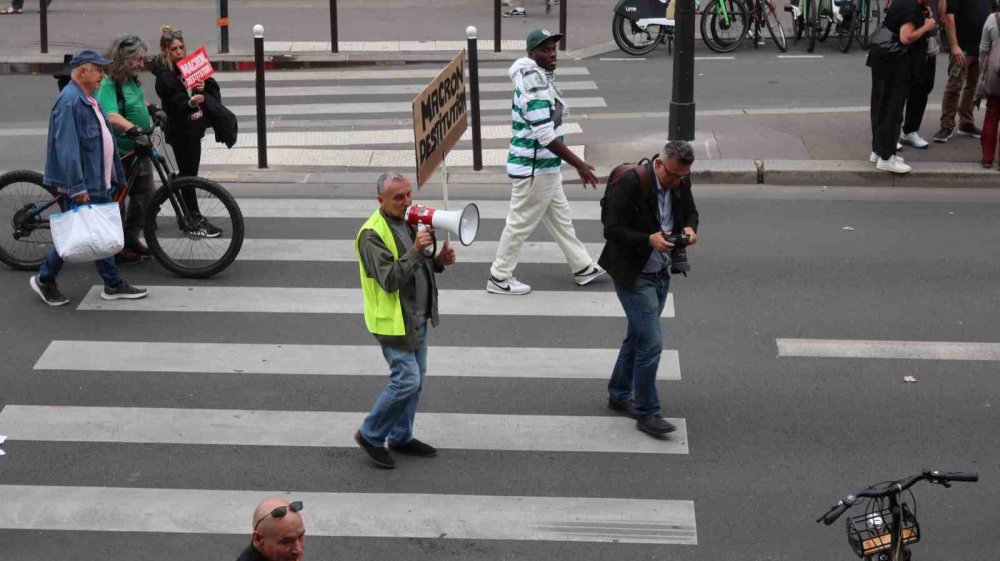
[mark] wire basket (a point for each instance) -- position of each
(869, 533)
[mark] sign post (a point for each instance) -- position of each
(440, 115)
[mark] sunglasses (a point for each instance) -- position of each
(172, 35)
(280, 512)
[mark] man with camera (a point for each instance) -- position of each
(646, 224)
(400, 295)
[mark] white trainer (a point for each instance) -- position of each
(587, 275)
(508, 286)
(893, 165)
(913, 139)
(874, 158)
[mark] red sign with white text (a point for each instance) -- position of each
(196, 68)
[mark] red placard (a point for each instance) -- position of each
(196, 68)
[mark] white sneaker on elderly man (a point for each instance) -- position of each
(893, 165)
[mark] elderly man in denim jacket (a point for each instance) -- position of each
(82, 163)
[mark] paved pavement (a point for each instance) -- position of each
(150, 428)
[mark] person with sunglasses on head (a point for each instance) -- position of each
(639, 217)
(121, 96)
(186, 120)
(279, 532)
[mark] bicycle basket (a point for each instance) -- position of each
(869, 533)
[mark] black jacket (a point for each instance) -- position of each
(630, 219)
(174, 97)
(221, 119)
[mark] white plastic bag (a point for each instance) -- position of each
(88, 232)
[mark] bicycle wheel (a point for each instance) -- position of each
(826, 30)
(812, 24)
(194, 227)
(774, 26)
(29, 239)
(724, 25)
(845, 32)
(798, 27)
(632, 39)
(871, 19)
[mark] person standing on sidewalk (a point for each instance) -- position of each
(533, 164)
(637, 221)
(920, 90)
(400, 299)
(989, 87)
(964, 20)
(122, 98)
(82, 164)
(892, 76)
(17, 7)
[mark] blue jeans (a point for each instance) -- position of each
(105, 267)
(634, 375)
(392, 415)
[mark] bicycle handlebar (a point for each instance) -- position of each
(894, 487)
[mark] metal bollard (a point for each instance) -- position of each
(562, 24)
(258, 57)
(496, 26)
(43, 25)
(223, 23)
(681, 124)
(477, 137)
(334, 47)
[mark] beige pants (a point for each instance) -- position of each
(533, 200)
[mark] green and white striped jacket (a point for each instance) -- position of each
(536, 120)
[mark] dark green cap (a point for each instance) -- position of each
(539, 36)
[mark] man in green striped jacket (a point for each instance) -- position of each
(533, 164)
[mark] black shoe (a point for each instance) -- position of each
(206, 229)
(123, 292)
(626, 406)
(654, 425)
(943, 135)
(128, 257)
(970, 130)
(415, 448)
(378, 454)
(48, 291)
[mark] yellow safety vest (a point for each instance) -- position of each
(383, 311)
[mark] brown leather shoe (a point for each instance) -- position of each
(128, 257)
(141, 250)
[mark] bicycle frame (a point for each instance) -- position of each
(723, 12)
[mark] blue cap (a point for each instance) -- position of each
(88, 56)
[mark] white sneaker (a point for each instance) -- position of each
(515, 12)
(873, 158)
(509, 286)
(899, 146)
(893, 164)
(587, 275)
(913, 139)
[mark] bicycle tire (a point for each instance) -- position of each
(774, 27)
(712, 25)
(845, 34)
(620, 25)
(826, 31)
(812, 22)
(157, 228)
(872, 20)
(18, 202)
(798, 28)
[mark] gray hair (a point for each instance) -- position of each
(385, 179)
(678, 150)
(120, 50)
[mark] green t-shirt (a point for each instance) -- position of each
(135, 107)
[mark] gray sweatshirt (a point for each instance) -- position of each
(991, 35)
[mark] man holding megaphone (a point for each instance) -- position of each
(400, 297)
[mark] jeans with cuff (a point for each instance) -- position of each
(392, 415)
(634, 374)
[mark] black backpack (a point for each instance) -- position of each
(645, 180)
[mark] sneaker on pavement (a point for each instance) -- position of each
(893, 165)
(913, 139)
(587, 275)
(379, 455)
(128, 256)
(206, 229)
(141, 250)
(514, 13)
(654, 425)
(48, 291)
(970, 130)
(943, 135)
(415, 448)
(873, 158)
(509, 286)
(626, 406)
(123, 292)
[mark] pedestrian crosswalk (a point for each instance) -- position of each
(214, 352)
(322, 106)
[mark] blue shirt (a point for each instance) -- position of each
(659, 260)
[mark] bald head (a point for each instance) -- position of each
(278, 537)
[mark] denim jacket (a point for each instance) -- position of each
(74, 160)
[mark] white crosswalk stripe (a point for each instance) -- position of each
(385, 74)
(362, 208)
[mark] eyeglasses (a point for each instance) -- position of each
(172, 35)
(673, 175)
(280, 512)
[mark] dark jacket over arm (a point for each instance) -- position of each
(629, 219)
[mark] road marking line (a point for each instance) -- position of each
(343, 251)
(382, 89)
(617, 59)
(386, 107)
(715, 58)
(334, 157)
(799, 56)
(228, 427)
(389, 515)
(285, 300)
(334, 360)
(362, 208)
(919, 350)
(384, 75)
(286, 47)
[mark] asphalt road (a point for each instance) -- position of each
(773, 440)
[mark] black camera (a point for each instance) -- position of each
(678, 255)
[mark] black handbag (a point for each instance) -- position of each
(886, 44)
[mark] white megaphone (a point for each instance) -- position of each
(463, 223)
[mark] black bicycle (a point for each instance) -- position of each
(889, 523)
(193, 226)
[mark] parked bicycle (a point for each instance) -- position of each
(889, 524)
(639, 26)
(724, 25)
(860, 21)
(808, 19)
(193, 226)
